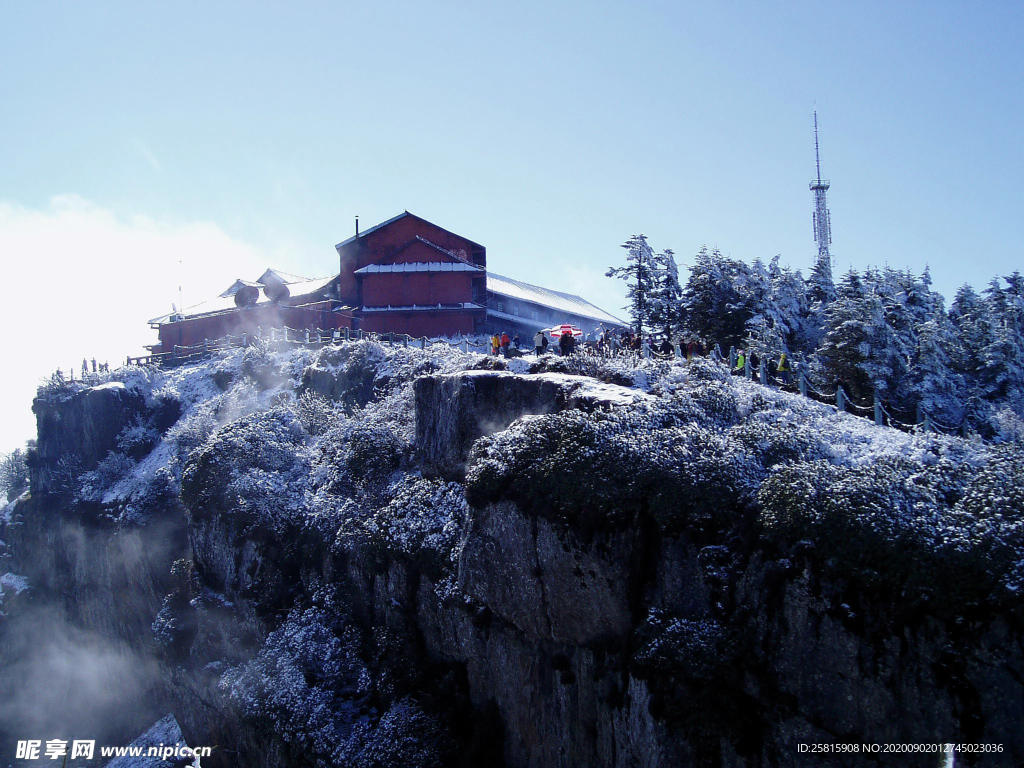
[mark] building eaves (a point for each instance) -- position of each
(419, 266)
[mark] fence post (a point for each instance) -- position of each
(803, 384)
(259, 332)
(762, 373)
(746, 366)
(73, 370)
(732, 357)
(840, 398)
(360, 334)
(927, 426)
(245, 340)
(423, 342)
(878, 410)
(307, 335)
(919, 418)
(465, 345)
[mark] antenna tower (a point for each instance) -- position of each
(822, 219)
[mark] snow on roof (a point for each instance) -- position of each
(281, 277)
(420, 266)
(240, 283)
(226, 302)
(563, 302)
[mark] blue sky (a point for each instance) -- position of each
(145, 145)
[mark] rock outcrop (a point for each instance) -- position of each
(550, 572)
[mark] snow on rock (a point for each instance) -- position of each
(164, 733)
(455, 410)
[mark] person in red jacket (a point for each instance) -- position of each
(505, 341)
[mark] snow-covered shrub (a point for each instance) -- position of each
(137, 439)
(355, 456)
(689, 648)
(315, 412)
(108, 472)
(773, 438)
(405, 736)
(250, 466)
(422, 521)
(943, 535)
(604, 469)
(307, 684)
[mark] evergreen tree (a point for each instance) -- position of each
(856, 349)
(821, 289)
(1001, 372)
(969, 316)
(666, 296)
(639, 274)
(940, 390)
(714, 307)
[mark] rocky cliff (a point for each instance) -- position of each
(370, 556)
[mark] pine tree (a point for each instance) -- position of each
(969, 316)
(1002, 360)
(714, 307)
(666, 296)
(856, 349)
(639, 274)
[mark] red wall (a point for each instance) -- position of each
(421, 323)
(187, 333)
(381, 246)
(408, 288)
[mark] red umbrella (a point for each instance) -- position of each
(565, 330)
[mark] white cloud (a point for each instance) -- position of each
(81, 281)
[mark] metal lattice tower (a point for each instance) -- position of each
(822, 220)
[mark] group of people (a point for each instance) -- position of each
(612, 342)
(782, 369)
(508, 346)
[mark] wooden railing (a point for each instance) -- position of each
(180, 355)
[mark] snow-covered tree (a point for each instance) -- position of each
(640, 274)
(969, 315)
(1002, 359)
(715, 305)
(667, 294)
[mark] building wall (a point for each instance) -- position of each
(422, 323)
(379, 246)
(195, 330)
(424, 288)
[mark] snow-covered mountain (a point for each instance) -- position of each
(368, 555)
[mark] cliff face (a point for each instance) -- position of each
(374, 556)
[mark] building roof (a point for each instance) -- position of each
(240, 283)
(420, 266)
(281, 277)
(564, 302)
(226, 301)
(393, 219)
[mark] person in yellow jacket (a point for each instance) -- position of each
(495, 344)
(783, 368)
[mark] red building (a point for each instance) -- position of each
(407, 275)
(275, 300)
